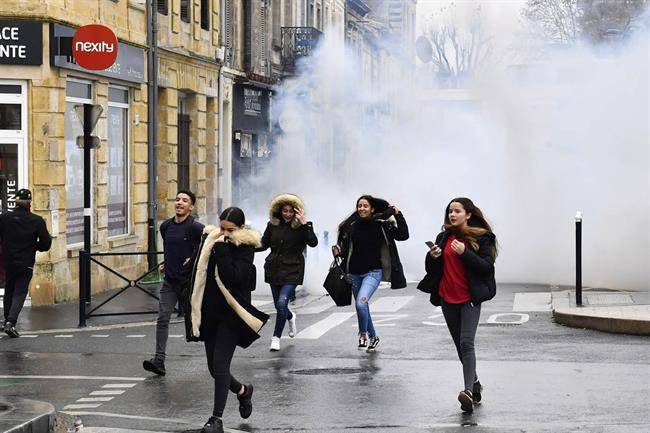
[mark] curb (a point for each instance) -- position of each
(616, 325)
(39, 414)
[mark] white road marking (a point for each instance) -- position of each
(318, 329)
(81, 406)
(64, 336)
(389, 304)
(99, 336)
(119, 385)
(316, 307)
(177, 336)
(497, 318)
(261, 302)
(381, 319)
(144, 418)
(438, 323)
(136, 336)
(104, 378)
(535, 301)
(28, 336)
(94, 399)
(108, 392)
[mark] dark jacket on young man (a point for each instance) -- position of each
(22, 234)
(222, 280)
(479, 267)
(394, 228)
(286, 262)
(180, 242)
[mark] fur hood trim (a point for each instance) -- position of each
(240, 237)
(275, 208)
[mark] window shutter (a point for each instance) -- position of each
(263, 37)
(185, 10)
(228, 36)
(162, 6)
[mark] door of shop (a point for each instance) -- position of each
(13, 158)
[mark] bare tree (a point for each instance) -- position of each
(458, 53)
(569, 21)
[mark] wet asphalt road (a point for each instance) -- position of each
(538, 376)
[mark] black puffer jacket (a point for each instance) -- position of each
(479, 266)
(22, 234)
(394, 229)
(222, 280)
(287, 241)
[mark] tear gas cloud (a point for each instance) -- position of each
(529, 145)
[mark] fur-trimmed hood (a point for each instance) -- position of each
(275, 208)
(243, 236)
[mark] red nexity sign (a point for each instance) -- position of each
(94, 47)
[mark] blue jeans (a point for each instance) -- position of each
(363, 287)
(282, 294)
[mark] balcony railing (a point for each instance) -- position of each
(297, 42)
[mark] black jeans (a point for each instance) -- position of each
(168, 300)
(15, 293)
(220, 343)
(462, 321)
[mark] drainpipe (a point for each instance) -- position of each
(152, 129)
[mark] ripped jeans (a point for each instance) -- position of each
(363, 287)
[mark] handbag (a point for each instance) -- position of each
(338, 284)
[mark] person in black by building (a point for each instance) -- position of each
(287, 234)
(222, 315)
(22, 234)
(366, 242)
(460, 277)
(181, 237)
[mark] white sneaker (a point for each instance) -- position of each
(292, 325)
(275, 344)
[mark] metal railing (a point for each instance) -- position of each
(85, 282)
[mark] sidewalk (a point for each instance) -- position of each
(19, 415)
(65, 316)
(622, 312)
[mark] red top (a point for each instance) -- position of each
(453, 285)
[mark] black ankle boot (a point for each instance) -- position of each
(214, 425)
(246, 402)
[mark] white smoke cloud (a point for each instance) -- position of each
(529, 149)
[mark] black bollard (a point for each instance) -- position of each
(578, 258)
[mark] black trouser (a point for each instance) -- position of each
(220, 343)
(15, 293)
(462, 321)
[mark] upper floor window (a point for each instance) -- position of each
(162, 6)
(185, 10)
(205, 14)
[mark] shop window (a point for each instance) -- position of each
(10, 116)
(77, 92)
(185, 10)
(162, 6)
(205, 14)
(118, 161)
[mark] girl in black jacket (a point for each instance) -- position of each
(366, 242)
(221, 311)
(460, 275)
(287, 234)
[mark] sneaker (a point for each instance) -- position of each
(214, 425)
(275, 344)
(466, 401)
(363, 343)
(155, 366)
(476, 392)
(292, 325)
(245, 402)
(372, 345)
(10, 330)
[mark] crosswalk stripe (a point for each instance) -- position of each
(534, 301)
(389, 304)
(119, 385)
(108, 392)
(136, 336)
(176, 336)
(318, 329)
(63, 336)
(317, 306)
(94, 399)
(99, 336)
(81, 406)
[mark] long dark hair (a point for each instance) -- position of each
(477, 225)
(379, 205)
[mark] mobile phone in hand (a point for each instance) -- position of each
(429, 244)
